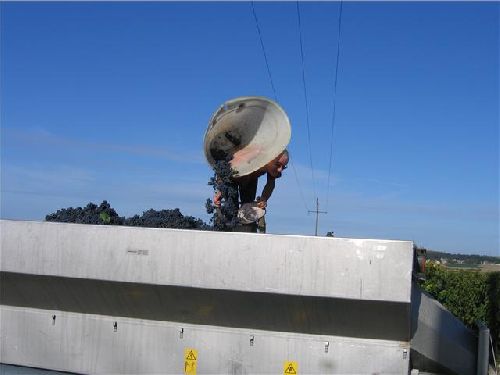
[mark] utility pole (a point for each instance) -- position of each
(317, 212)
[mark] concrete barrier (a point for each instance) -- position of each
(102, 299)
(298, 265)
(440, 342)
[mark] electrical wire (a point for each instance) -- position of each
(298, 184)
(334, 106)
(276, 97)
(306, 101)
(264, 52)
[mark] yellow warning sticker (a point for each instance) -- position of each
(290, 368)
(190, 358)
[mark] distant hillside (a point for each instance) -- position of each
(461, 259)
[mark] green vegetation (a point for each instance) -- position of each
(468, 294)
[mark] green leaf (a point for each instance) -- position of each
(104, 216)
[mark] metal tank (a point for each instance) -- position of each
(110, 299)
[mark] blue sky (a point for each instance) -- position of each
(111, 101)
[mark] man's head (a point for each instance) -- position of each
(276, 166)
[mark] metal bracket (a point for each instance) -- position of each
(327, 346)
(252, 338)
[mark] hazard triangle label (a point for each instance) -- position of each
(191, 356)
(290, 368)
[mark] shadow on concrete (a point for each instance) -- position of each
(227, 308)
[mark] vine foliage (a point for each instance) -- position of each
(470, 295)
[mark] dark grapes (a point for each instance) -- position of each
(105, 215)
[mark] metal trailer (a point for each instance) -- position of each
(111, 299)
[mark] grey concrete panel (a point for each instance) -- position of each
(221, 288)
(297, 265)
(89, 344)
(419, 362)
(441, 340)
(385, 320)
(23, 370)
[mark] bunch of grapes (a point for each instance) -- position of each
(166, 219)
(90, 214)
(105, 215)
(225, 216)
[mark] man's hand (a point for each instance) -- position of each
(217, 198)
(261, 203)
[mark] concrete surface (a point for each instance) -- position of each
(226, 308)
(23, 370)
(65, 285)
(299, 265)
(88, 343)
(440, 342)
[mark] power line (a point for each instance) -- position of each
(275, 96)
(306, 100)
(334, 105)
(264, 52)
(298, 184)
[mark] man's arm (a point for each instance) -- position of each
(267, 191)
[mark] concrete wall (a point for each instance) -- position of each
(294, 295)
(440, 342)
(86, 343)
(298, 265)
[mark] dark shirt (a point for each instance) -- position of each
(247, 187)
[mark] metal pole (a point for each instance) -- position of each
(317, 216)
(317, 212)
(483, 349)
